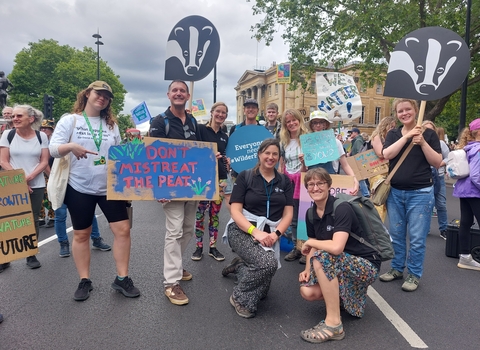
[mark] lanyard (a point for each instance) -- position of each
(98, 141)
(269, 193)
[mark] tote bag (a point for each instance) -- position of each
(58, 179)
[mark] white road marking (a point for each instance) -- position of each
(54, 237)
(402, 327)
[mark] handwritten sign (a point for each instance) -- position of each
(242, 147)
(367, 164)
(18, 238)
(340, 184)
(198, 108)
(284, 73)
(141, 114)
(338, 96)
(319, 147)
(163, 168)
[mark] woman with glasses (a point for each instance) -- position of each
(261, 209)
(86, 135)
(24, 147)
(340, 268)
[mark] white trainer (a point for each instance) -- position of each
(467, 262)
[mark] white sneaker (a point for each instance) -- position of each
(467, 262)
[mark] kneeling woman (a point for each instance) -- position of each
(339, 268)
(261, 209)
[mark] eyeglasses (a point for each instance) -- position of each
(318, 122)
(186, 132)
(312, 185)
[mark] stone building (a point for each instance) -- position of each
(262, 85)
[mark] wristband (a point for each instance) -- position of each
(250, 229)
(278, 233)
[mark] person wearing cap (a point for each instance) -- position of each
(47, 127)
(273, 124)
(250, 110)
(319, 121)
(85, 136)
(468, 190)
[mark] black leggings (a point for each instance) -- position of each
(82, 208)
(469, 207)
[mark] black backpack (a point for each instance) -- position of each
(12, 133)
(377, 234)
(167, 125)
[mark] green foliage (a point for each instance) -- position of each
(323, 33)
(124, 122)
(46, 67)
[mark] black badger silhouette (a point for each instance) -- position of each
(192, 49)
(432, 62)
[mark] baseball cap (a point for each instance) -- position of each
(250, 101)
(475, 125)
(355, 130)
(319, 115)
(101, 85)
(48, 124)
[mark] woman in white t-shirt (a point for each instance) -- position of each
(292, 165)
(26, 148)
(86, 135)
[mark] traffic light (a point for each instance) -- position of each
(48, 106)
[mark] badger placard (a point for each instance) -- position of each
(427, 64)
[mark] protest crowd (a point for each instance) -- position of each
(264, 201)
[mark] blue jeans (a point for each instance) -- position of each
(364, 188)
(61, 226)
(413, 209)
(440, 192)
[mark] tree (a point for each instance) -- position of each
(325, 32)
(60, 71)
(124, 123)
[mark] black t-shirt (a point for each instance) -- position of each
(415, 171)
(344, 220)
(177, 130)
(221, 139)
(254, 197)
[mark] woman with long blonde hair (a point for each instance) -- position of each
(292, 165)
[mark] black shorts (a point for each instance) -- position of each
(82, 208)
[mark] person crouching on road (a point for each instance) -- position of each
(339, 268)
(262, 210)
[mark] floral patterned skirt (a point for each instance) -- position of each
(354, 275)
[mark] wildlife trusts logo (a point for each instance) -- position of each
(192, 49)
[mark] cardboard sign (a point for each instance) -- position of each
(367, 164)
(163, 169)
(193, 48)
(141, 114)
(338, 96)
(242, 147)
(284, 73)
(198, 108)
(340, 184)
(319, 147)
(427, 64)
(18, 238)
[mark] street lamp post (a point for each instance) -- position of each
(98, 43)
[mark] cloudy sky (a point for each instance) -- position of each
(135, 34)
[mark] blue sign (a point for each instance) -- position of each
(242, 147)
(141, 114)
(319, 147)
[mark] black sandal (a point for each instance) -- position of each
(319, 334)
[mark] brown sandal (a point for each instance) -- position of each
(319, 334)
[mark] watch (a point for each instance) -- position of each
(278, 233)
